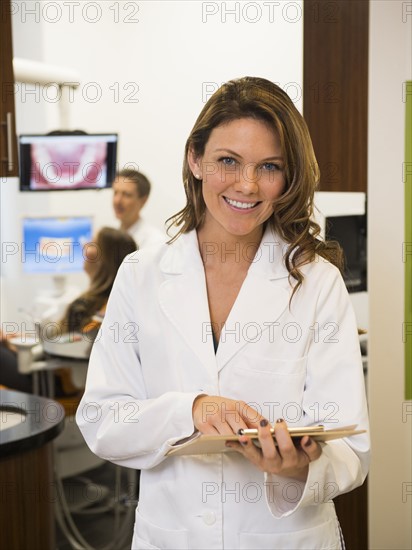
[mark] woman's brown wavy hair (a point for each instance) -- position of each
(112, 246)
(260, 99)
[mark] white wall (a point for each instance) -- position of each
(165, 61)
(391, 476)
(163, 54)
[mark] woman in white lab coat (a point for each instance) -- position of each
(241, 321)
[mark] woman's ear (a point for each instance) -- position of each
(195, 164)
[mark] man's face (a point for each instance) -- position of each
(126, 201)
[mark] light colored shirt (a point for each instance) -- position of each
(146, 234)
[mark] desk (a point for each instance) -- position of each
(28, 425)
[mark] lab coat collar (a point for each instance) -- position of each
(184, 255)
(263, 298)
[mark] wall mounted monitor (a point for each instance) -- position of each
(67, 161)
(54, 245)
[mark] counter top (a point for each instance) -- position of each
(27, 421)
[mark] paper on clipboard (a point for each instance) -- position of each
(210, 444)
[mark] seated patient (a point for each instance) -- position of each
(102, 258)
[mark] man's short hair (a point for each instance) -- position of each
(140, 180)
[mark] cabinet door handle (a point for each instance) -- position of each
(9, 124)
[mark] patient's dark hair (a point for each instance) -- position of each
(113, 245)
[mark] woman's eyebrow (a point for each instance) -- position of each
(224, 150)
(230, 152)
(272, 158)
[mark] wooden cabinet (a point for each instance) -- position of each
(335, 90)
(28, 489)
(8, 140)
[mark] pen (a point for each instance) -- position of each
(304, 430)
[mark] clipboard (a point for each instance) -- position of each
(199, 444)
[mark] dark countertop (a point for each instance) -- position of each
(41, 421)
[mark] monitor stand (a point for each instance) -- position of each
(59, 285)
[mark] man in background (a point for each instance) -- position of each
(131, 190)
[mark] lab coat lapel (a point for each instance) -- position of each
(183, 296)
(262, 299)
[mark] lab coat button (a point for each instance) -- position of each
(209, 518)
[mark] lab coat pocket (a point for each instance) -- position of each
(274, 387)
(321, 537)
(148, 536)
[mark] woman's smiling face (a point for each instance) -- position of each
(242, 172)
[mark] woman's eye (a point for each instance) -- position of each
(227, 161)
(270, 166)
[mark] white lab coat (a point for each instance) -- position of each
(155, 354)
(145, 234)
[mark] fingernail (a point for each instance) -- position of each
(279, 420)
(308, 443)
(263, 423)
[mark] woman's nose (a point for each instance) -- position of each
(247, 180)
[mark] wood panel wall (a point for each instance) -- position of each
(335, 84)
(335, 106)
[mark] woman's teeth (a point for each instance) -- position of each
(243, 205)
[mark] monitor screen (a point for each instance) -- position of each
(67, 162)
(350, 232)
(55, 245)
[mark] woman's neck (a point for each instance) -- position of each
(226, 249)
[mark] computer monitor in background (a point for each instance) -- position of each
(350, 232)
(67, 162)
(54, 245)
(342, 218)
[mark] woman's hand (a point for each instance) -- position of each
(285, 459)
(213, 414)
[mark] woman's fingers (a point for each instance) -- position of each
(312, 449)
(215, 414)
(266, 441)
(250, 416)
(219, 415)
(224, 428)
(286, 447)
(248, 449)
(283, 457)
(209, 429)
(261, 456)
